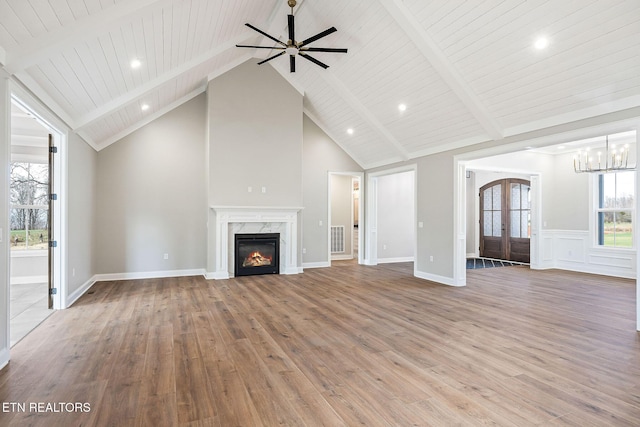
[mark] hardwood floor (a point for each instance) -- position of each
(348, 345)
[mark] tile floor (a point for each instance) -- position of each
(28, 308)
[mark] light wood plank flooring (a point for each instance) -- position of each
(342, 346)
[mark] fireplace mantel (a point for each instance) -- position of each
(255, 219)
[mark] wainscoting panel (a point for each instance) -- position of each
(573, 250)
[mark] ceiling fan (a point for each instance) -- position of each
(294, 48)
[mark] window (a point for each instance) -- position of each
(29, 206)
(615, 209)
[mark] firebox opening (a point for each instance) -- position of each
(257, 254)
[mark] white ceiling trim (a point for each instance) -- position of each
(573, 116)
(363, 111)
(326, 130)
(441, 64)
(49, 44)
(449, 146)
(151, 117)
(152, 85)
(32, 86)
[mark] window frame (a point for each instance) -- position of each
(597, 232)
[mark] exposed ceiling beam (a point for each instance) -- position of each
(152, 85)
(362, 111)
(441, 64)
(32, 86)
(47, 45)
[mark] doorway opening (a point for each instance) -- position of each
(505, 220)
(391, 234)
(32, 223)
(345, 217)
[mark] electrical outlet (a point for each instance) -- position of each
(264, 190)
(420, 224)
(249, 189)
(166, 256)
(304, 250)
(384, 247)
(319, 223)
(431, 258)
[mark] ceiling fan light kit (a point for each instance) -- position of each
(294, 48)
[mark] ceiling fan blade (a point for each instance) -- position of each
(324, 49)
(292, 32)
(292, 63)
(271, 57)
(265, 34)
(314, 60)
(261, 47)
(318, 36)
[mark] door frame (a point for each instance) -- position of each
(370, 230)
(505, 212)
(53, 125)
(360, 177)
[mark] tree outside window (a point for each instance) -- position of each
(615, 212)
(29, 206)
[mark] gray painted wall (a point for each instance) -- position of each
(321, 155)
(151, 196)
(435, 195)
(81, 212)
(255, 139)
(396, 216)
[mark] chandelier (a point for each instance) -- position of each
(612, 159)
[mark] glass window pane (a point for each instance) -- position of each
(487, 203)
(497, 197)
(515, 196)
(608, 197)
(488, 222)
(18, 222)
(625, 189)
(497, 223)
(526, 197)
(525, 224)
(515, 224)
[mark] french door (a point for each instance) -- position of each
(505, 220)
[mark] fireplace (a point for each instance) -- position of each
(257, 254)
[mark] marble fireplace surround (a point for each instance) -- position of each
(231, 220)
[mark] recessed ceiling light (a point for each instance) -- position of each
(135, 63)
(402, 107)
(350, 131)
(541, 43)
(144, 107)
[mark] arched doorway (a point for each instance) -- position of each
(505, 220)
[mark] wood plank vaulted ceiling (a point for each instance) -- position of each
(466, 69)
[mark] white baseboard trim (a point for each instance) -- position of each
(80, 291)
(436, 278)
(149, 275)
(392, 260)
(322, 264)
(23, 280)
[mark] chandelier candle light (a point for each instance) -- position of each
(609, 161)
